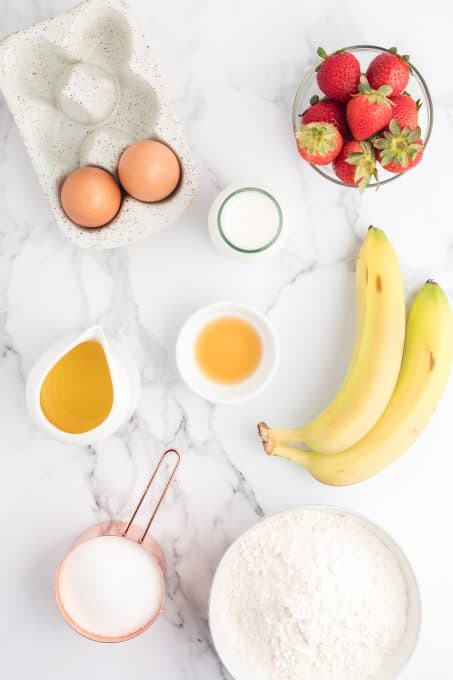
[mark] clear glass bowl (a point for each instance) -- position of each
(417, 87)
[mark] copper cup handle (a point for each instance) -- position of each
(162, 494)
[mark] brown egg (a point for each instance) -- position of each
(149, 171)
(90, 197)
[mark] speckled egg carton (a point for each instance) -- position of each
(81, 87)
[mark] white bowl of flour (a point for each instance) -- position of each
(314, 593)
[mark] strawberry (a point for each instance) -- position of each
(319, 143)
(338, 75)
(399, 149)
(356, 164)
(327, 111)
(368, 111)
(405, 110)
(389, 68)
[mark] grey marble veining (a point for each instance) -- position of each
(232, 70)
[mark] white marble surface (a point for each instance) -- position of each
(232, 69)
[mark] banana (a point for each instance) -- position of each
(376, 358)
(424, 373)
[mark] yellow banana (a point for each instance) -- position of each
(376, 358)
(427, 358)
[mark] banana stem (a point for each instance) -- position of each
(274, 447)
(267, 440)
(295, 436)
(271, 436)
(292, 453)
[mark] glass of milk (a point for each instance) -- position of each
(246, 222)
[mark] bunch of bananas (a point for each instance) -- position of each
(394, 382)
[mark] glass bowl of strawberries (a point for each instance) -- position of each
(363, 116)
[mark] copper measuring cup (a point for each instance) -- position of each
(127, 531)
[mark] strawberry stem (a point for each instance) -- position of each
(398, 145)
(404, 57)
(379, 96)
(317, 137)
(365, 165)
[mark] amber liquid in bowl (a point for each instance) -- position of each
(228, 350)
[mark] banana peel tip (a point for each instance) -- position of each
(266, 438)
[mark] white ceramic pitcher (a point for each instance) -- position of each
(125, 381)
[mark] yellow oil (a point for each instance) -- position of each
(77, 393)
(228, 350)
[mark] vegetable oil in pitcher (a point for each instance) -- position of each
(77, 393)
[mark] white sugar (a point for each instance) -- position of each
(110, 586)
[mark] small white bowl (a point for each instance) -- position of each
(216, 392)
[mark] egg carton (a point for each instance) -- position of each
(81, 87)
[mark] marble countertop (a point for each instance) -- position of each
(232, 70)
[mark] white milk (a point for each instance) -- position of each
(110, 586)
(246, 222)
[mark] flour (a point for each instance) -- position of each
(310, 595)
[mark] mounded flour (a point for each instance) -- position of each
(309, 594)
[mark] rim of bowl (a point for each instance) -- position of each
(422, 83)
(212, 311)
(390, 542)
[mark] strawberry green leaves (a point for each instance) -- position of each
(364, 162)
(319, 142)
(399, 147)
(379, 96)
